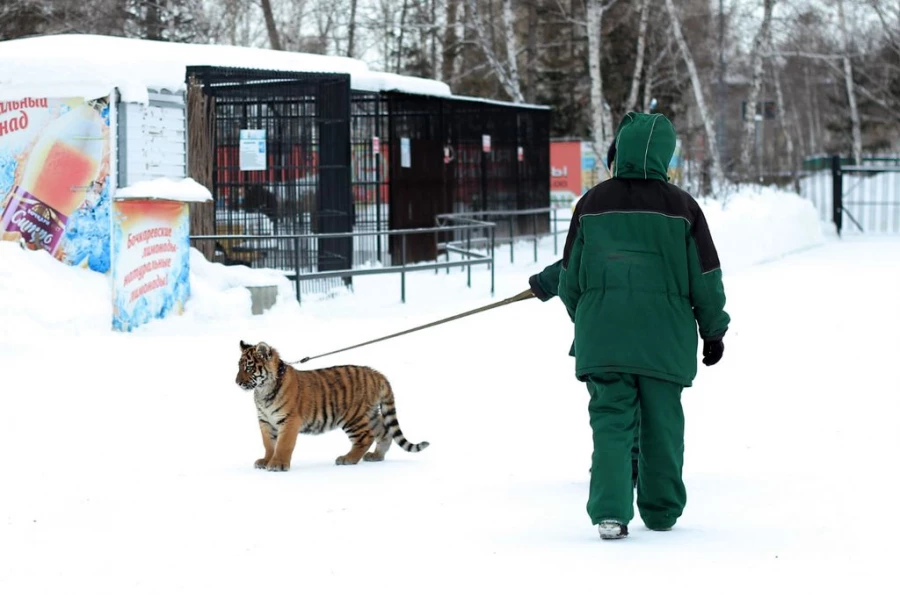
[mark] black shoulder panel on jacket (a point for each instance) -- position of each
(619, 195)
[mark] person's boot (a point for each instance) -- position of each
(612, 530)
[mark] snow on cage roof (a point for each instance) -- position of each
(91, 66)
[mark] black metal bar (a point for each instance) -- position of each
(297, 267)
(837, 193)
(403, 271)
(469, 249)
(493, 263)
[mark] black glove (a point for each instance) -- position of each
(712, 351)
(537, 290)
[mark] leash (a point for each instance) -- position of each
(510, 300)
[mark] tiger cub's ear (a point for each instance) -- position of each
(245, 346)
(263, 350)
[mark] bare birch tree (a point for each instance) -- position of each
(709, 126)
(760, 42)
(782, 116)
(271, 28)
(848, 82)
(507, 69)
(601, 119)
(631, 102)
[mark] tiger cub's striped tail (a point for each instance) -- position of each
(392, 425)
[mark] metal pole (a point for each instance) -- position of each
(837, 193)
(403, 270)
(512, 250)
(534, 231)
(468, 257)
(377, 157)
(555, 232)
(297, 268)
(493, 262)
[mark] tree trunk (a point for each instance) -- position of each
(648, 84)
(274, 40)
(718, 177)
(512, 50)
(400, 36)
(508, 75)
(450, 50)
(531, 54)
(201, 154)
(631, 103)
(600, 123)
(351, 30)
(851, 91)
(756, 59)
(783, 122)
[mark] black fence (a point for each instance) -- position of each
(440, 155)
(867, 195)
(295, 154)
(281, 165)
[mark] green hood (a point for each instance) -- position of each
(645, 144)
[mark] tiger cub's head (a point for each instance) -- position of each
(257, 364)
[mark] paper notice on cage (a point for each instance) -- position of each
(253, 150)
(405, 156)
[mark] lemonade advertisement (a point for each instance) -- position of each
(151, 261)
(54, 178)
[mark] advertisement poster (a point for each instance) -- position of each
(575, 169)
(565, 171)
(151, 261)
(54, 178)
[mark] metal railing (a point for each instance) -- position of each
(511, 221)
(289, 246)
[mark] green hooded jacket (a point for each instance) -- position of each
(640, 274)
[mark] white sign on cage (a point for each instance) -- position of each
(253, 150)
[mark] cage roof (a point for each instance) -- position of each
(91, 66)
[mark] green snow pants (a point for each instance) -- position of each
(618, 403)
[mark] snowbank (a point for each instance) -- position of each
(759, 225)
(91, 66)
(219, 292)
(184, 190)
(38, 294)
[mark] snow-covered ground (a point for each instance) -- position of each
(127, 460)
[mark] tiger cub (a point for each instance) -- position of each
(356, 399)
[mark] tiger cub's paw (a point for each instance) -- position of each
(277, 466)
(372, 457)
(260, 463)
(344, 460)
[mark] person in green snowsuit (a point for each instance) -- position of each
(639, 277)
(544, 286)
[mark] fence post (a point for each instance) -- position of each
(534, 231)
(469, 256)
(512, 250)
(493, 261)
(403, 268)
(297, 268)
(555, 230)
(837, 193)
